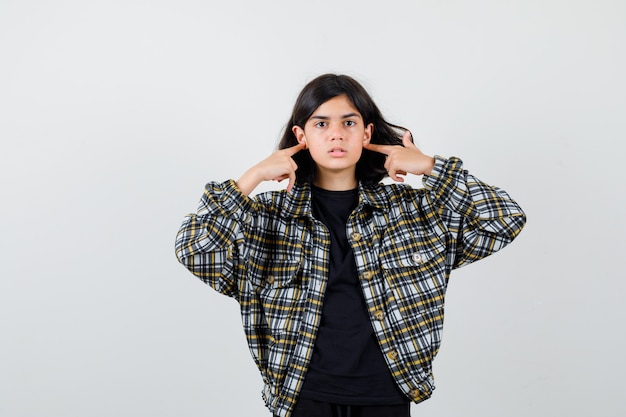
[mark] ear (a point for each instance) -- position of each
(369, 129)
(298, 132)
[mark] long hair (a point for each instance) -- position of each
(370, 167)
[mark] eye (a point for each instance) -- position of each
(350, 123)
(320, 124)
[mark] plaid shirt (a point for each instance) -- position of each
(272, 255)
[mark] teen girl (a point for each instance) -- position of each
(341, 279)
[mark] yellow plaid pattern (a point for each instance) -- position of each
(269, 254)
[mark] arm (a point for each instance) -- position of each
(209, 241)
(483, 218)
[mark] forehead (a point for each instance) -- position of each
(338, 106)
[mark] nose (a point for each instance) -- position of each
(336, 133)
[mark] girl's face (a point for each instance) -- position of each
(334, 135)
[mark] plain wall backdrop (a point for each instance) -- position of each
(114, 114)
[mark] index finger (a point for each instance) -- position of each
(384, 149)
(291, 151)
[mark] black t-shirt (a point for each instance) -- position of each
(347, 366)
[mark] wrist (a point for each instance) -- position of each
(429, 164)
(248, 181)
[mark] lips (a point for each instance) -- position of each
(337, 151)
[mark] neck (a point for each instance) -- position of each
(335, 182)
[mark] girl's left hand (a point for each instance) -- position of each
(403, 159)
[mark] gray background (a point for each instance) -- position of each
(114, 114)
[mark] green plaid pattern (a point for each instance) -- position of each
(271, 255)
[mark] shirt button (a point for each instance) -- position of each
(356, 236)
(368, 275)
(392, 354)
(415, 393)
(417, 258)
(379, 315)
(271, 279)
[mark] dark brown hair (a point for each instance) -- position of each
(370, 168)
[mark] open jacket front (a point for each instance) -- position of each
(272, 255)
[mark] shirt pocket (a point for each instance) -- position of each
(415, 277)
(414, 266)
(278, 282)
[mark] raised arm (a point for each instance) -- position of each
(482, 218)
(208, 241)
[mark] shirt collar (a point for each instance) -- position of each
(298, 201)
(373, 195)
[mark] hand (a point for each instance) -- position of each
(403, 159)
(278, 166)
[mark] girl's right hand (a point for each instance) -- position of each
(278, 166)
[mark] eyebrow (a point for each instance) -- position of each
(345, 116)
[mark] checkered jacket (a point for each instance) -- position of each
(271, 255)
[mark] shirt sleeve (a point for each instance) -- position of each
(482, 218)
(208, 241)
